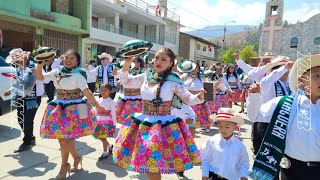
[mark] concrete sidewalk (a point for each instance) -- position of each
(43, 161)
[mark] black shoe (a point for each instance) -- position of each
(180, 174)
(242, 110)
(23, 147)
(33, 141)
(235, 103)
(103, 156)
(110, 149)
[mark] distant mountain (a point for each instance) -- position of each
(210, 32)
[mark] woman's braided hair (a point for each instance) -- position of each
(166, 73)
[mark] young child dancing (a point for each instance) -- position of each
(106, 120)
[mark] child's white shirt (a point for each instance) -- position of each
(228, 159)
(109, 104)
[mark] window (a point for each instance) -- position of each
(274, 10)
(204, 48)
(198, 46)
(150, 33)
(171, 33)
(316, 41)
(294, 42)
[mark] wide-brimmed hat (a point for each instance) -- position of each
(119, 65)
(278, 61)
(186, 66)
(208, 73)
(44, 53)
(134, 48)
(227, 114)
(105, 55)
(267, 55)
(300, 66)
(16, 55)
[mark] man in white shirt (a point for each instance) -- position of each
(92, 80)
(104, 72)
(27, 92)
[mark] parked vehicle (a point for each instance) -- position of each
(7, 75)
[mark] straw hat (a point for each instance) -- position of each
(16, 55)
(186, 66)
(300, 66)
(207, 73)
(44, 53)
(227, 114)
(134, 48)
(105, 55)
(267, 55)
(280, 60)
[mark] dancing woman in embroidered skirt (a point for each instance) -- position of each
(69, 116)
(130, 101)
(154, 141)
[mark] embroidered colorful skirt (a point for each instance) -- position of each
(155, 144)
(125, 107)
(68, 120)
(234, 97)
(202, 115)
(105, 128)
(186, 113)
(219, 102)
(244, 94)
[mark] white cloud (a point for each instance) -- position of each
(227, 10)
(306, 11)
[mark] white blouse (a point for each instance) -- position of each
(75, 81)
(109, 104)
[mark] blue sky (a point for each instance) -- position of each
(245, 12)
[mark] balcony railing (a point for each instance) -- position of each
(113, 29)
(151, 9)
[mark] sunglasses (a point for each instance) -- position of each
(102, 59)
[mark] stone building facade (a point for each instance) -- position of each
(288, 40)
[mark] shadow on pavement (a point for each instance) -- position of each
(38, 166)
(9, 132)
(110, 166)
(83, 174)
(84, 149)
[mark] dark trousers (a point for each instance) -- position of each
(112, 95)
(49, 89)
(255, 138)
(300, 170)
(26, 118)
(92, 87)
(214, 176)
(261, 131)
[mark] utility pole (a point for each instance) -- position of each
(224, 38)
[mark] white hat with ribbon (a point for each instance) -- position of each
(227, 114)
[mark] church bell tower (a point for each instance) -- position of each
(272, 24)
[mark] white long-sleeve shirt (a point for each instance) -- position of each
(91, 79)
(109, 104)
(267, 87)
(302, 141)
(254, 73)
(253, 105)
(106, 69)
(228, 159)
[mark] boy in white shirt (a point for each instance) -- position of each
(292, 138)
(224, 156)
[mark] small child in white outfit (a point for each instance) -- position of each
(106, 120)
(224, 156)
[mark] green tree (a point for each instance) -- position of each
(247, 52)
(227, 56)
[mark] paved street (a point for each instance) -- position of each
(43, 161)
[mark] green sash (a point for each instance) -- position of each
(266, 163)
